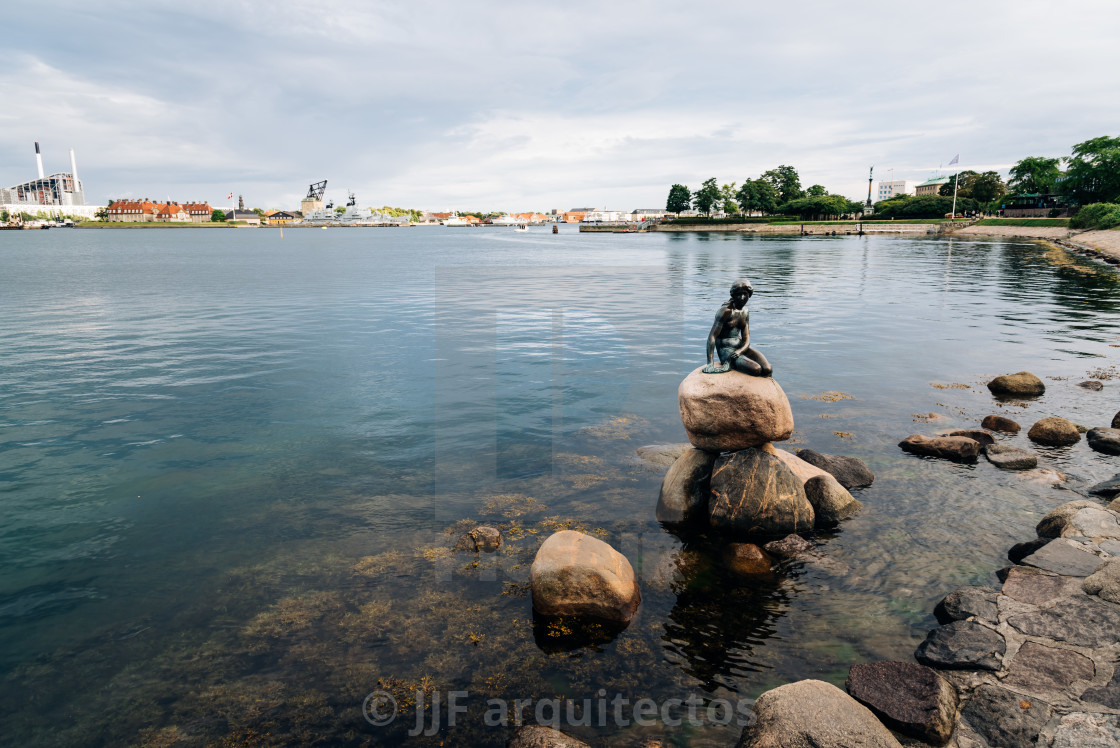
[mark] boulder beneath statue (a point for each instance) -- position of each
(685, 489)
(852, 472)
(831, 502)
(578, 575)
(733, 411)
(754, 493)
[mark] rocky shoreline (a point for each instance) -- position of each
(1104, 245)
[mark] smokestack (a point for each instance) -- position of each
(74, 169)
(39, 159)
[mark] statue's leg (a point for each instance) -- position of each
(754, 363)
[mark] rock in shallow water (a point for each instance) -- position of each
(1065, 557)
(831, 502)
(733, 411)
(813, 714)
(537, 736)
(686, 488)
(852, 472)
(1055, 431)
(577, 575)
(1000, 423)
(747, 559)
(1006, 457)
(1108, 489)
(968, 602)
(754, 493)
(1023, 384)
(1104, 440)
(955, 448)
(909, 698)
(662, 455)
(980, 435)
(482, 538)
(791, 546)
(1079, 518)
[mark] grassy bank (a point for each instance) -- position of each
(866, 223)
(1054, 222)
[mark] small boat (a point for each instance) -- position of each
(520, 227)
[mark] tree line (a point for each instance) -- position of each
(776, 192)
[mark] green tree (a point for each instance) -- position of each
(259, 212)
(757, 195)
(817, 190)
(727, 198)
(1093, 172)
(707, 196)
(680, 198)
(816, 207)
(218, 216)
(3, 216)
(340, 209)
(987, 187)
(964, 184)
(1035, 174)
(102, 214)
(786, 183)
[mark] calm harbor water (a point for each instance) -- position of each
(233, 467)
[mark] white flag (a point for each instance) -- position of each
(955, 159)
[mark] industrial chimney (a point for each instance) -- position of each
(73, 169)
(39, 159)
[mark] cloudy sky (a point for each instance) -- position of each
(531, 106)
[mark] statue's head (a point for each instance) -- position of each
(741, 290)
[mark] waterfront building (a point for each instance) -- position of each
(247, 216)
(931, 186)
(199, 212)
(146, 211)
(58, 194)
(283, 217)
(894, 188)
(574, 216)
(1034, 205)
(650, 214)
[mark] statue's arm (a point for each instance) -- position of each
(721, 316)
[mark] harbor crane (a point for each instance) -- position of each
(316, 191)
(353, 201)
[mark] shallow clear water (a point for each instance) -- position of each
(233, 467)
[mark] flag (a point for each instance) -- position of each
(956, 159)
(231, 194)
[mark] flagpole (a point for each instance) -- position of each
(956, 178)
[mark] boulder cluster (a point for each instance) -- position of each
(966, 445)
(735, 480)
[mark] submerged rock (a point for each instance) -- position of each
(912, 699)
(852, 472)
(1000, 423)
(1023, 384)
(754, 493)
(1105, 440)
(955, 448)
(662, 455)
(686, 488)
(1006, 457)
(1055, 431)
(1116, 421)
(538, 736)
(733, 411)
(1092, 384)
(813, 714)
(577, 575)
(482, 538)
(1108, 489)
(791, 546)
(831, 502)
(747, 559)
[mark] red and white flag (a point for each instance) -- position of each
(956, 159)
(231, 194)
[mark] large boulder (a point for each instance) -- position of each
(852, 472)
(955, 448)
(754, 493)
(1054, 524)
(813, 714)
(1109, 489)
(981, 435)
(1023, 384)
(802, 469)
(578, 575)
(1105, 581)
(747, 559)
(1104, 440)
(1000, 423)
(1006, 457)
(962, 645)
(1116, 421)
(733, 411)
(968, 602)
(831, 502)
(662, 455)
(912, 699)
(1054, 431)
(686, 487)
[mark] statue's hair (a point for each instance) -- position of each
(740, 283)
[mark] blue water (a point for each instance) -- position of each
(232, 464)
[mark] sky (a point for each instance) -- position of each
(493, 105)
